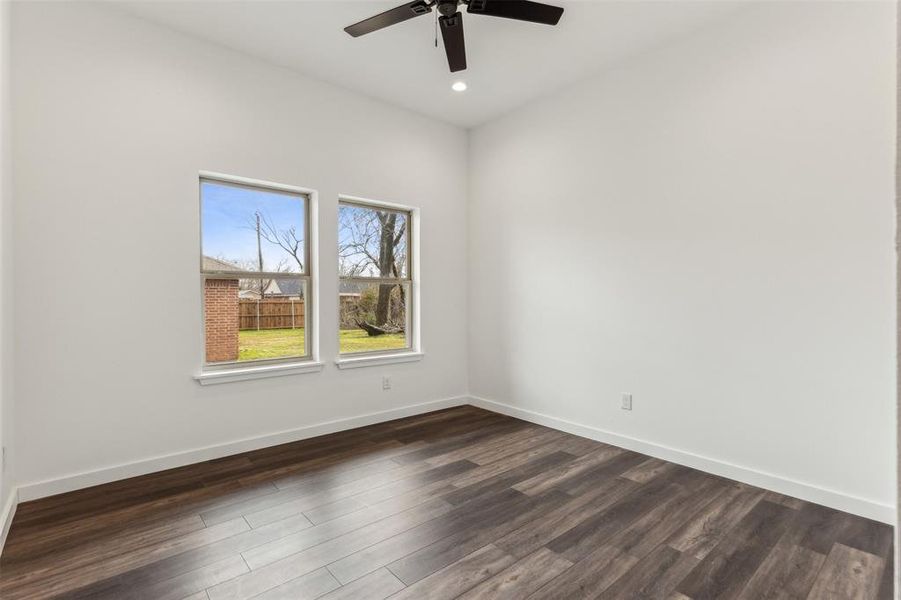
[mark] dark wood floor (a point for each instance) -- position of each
(460, 503)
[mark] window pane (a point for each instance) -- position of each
(372, 242)
(245, 323)
(373, 316)
(246, 229)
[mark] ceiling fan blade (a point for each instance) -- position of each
(521, 10)
(454, 45)
(389, 17)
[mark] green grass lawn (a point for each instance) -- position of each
(270, 343)
(357, 340)
(281, 343)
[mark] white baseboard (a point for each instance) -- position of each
(838, 500)
(797, 489)
(68, 483)
(6, 517)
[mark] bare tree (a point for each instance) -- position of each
(287, 238)
(373, 242)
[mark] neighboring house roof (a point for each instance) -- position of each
(216, 264)
(351, 287)
(284, 287)
(275, 287)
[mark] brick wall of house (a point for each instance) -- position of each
(221, 314)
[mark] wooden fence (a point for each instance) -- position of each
(270, 314)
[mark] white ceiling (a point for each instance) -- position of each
(510, 62)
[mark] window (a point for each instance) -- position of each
(255, 264)
(376, 278)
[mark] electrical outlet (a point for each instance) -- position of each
(386, 382)
(627, 402)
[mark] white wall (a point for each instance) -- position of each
(898, 294)
(115, 117)
(6, 265)
(709, 227)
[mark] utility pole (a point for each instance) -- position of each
(260, 263)
(259, 244)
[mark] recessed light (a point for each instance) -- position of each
(459, 86)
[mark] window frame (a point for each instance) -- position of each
(413, 349)
(252, 369)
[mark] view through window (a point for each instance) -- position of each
(375, 278)
(255, 270)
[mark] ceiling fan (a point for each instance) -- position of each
(451, 21)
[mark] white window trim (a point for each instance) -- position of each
(414, 352)
(351, 362)
(209, 373)
(246, 373)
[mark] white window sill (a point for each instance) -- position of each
(246, 373)
(373, 361)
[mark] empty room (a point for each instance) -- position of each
(477, 299)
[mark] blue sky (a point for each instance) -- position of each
(228, 213)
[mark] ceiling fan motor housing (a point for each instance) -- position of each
(447, 7)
